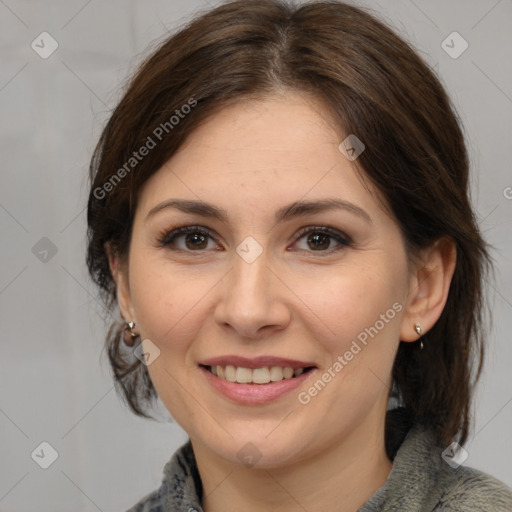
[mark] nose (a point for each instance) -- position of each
(253, 299)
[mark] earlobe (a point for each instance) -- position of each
(429, 288)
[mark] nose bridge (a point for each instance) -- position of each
(249, 300)
(249, 283)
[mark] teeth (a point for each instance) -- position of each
(243, 375)
(257, 376)
(261, 376)
(276, 373)
(288, 373)
(230, 373)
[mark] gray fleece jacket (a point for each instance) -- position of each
(420, 481)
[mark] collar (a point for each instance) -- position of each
(418, 478)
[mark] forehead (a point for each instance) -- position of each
(277, 150)
(281, 123)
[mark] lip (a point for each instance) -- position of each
(254, 394)
(255, 362)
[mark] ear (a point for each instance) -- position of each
(429, 286)
(119, 271)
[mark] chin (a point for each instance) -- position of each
(255, 448)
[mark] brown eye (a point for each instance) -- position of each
(195, 239)
(320, 239)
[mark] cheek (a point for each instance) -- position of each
(358, 327)
(165, 299)
(361, 304)
(168, 308)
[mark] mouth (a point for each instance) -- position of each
(256, 380)
(260, 376)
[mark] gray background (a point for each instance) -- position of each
(54, 380)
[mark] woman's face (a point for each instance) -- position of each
(270, 281)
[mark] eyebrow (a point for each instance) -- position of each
(288, 212)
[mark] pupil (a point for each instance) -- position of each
(198, 238)
(317, 237)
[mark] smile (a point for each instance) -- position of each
(264, 375)
(255, 381)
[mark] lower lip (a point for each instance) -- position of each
(254, 393)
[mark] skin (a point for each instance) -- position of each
(295, 300)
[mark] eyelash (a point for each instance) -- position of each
(167, 238)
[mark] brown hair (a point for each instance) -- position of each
(375, 86)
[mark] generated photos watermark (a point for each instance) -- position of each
(249, 455)
(454, 45)
(44, 455)
(157, 135)
(351, 147)
(455, 455)
(305, 397)
(146, 352)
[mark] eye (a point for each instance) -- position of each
(319, 239)
(195, 238)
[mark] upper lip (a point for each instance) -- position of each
(255, 362)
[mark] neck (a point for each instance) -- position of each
(341, 477)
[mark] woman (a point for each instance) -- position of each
(279, 207)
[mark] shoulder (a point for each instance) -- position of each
(180, 488)
(470, 489)
(427, 476)
(150, 503)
